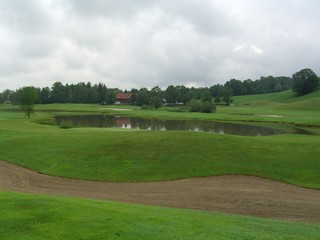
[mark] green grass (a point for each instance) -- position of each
(285, 102)
(285, 97)
(27, 216)
(134, 155)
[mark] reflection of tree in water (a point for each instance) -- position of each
(123, 122)
(173, 125)
(181, 125)
(81, 121)
(248, 130)
(108, 121)
(156, 124)
(208, 127)
(134, 123)
(143, 123)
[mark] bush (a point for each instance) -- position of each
(207, 107)
(146, 107)
(194, 106)
(176, 109)
(66, 126)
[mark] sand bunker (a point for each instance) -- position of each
(230, 194)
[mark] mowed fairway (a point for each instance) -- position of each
(41, 217)
(148, 156)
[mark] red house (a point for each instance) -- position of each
(123, 98)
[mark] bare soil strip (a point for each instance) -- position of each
(230, 194)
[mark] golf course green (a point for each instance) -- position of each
(140, 155)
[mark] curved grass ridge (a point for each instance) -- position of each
(126, 155)
(28, 216)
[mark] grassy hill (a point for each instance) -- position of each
(284, 100)
(282, 107)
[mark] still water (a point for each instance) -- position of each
(106, 121)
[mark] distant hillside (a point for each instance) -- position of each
(285, 99)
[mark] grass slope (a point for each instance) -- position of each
(285, 100)
(301, 111)
(26, 216)
(129, 155)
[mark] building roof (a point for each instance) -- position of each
(123, 96)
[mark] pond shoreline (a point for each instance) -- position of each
(217, 127)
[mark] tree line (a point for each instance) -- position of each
(99, 93)
(301, 82)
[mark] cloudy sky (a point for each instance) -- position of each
(144, 43)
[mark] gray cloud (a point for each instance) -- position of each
(145, 43)
(206, 16)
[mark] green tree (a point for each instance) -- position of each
(227, 94)
(194, 105)
(44, 96)
(111, 95)
(156, 102)
(143, 97)
(278, 88)
(6, 96)
(156, 91)
(102, 90)
(208, 107)
(134, 95)
(304, 81)
(236, 86)
(190, 94)
(27, 98)
(206, 96)
(217, 99)
(216, 90)
(59, 93)
(171, 95)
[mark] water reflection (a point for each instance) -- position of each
(106, 121)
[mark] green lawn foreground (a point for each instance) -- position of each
(28, 216)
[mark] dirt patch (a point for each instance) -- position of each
(230, 194)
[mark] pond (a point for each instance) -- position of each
(106, 121)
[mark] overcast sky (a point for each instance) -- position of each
(144, 43)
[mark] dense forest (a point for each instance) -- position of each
(100, 93)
